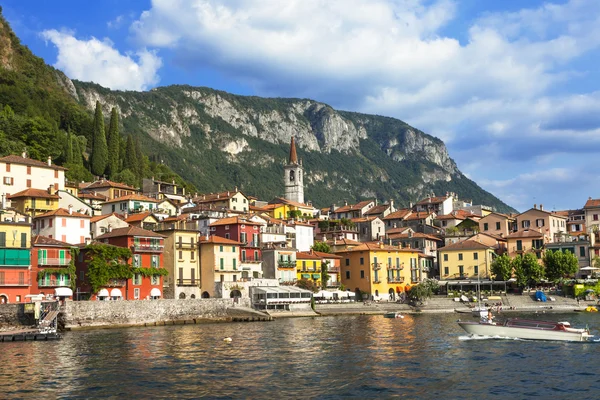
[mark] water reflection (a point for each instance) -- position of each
(358, 356)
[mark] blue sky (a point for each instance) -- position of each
(511, 86)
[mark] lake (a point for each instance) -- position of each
(420, 356)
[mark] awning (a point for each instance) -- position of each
(116, 293)
(155, 292)
(103, 293)
(63, 292)
(316, 276)
(305, 276)
(324, 293)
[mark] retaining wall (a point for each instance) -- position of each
(82, 314)
(13, 315)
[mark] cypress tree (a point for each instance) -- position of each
(140, 159)
(113, 144)
(69, 148)
(130, 161)
(77, 153)
(99, 147)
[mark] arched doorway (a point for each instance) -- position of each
(205, 295)
(193, 296)
(392, 294)
(235, 293)
(3, 299)
(182, 295)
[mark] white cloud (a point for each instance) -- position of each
(99, 62)
(116, 23)
(499, 96)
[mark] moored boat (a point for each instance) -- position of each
(527, 329)
(393, 314)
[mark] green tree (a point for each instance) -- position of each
(424, 290)
(99, 156)
(294, 214)
(112, 166)
(324, 274)
(127, 177)
(107, 262)
(501, 268)
(78, 173)
(77, 152)
(69, 148)
(517, 266)
(559, 264)
(308, 285)
(321, 247)
(130, 161)
(532, 268)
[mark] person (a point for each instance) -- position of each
(490, 317)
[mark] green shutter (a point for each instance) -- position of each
(234, 264)
(222, 263)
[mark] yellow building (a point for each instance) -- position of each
(219, 262)
(466, 260)
(280, 208)
(35, 202)
(181, 259)
(379, 270)
(308, 267)
(230, 200)
(521, 242)
(15, 259)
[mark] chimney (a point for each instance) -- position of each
(49, 160)
(70, 209)
(375, 201)
(345, 202)
(410, 205)
(535, 206)
(109, 227)
(24, 155)
(235, 189)
(391, 205)
(541, 207)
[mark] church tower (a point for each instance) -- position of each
(294, 188)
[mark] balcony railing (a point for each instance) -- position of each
(148, 247)
(54, 283)
(333, 269)
(116, 283)
(286, 264)
(187, 246)
(376, 266)
(309, 270)
(15, 282)
(378, 280)
(54, 261)
(187, 282)
(396, 279)
(251, 244)
(395, 267)
(251, 260)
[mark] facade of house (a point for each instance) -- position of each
(101, 224)
(381, 210)
(497, 224)
(308, 267)
(279, 262)
(525, 241)
(15, 260)
(144, 220)
(281, 208)
(47, 257)
(396, 218)
(181, 259)
(163, 190)
(581, 245)
(592, 213)
(108, 189)
(67, 199)
(129, 204)
(419, 218)
(219, 262)
(95, 201)
(34, 202)
(548, 223)
(230, 200)
(247, 233)
(379, 271)
(301, 235)
(468, 259)
(350, 211)
(21, 173)
(440, 205)
(147, 252)
(369, 228)
(63, 225)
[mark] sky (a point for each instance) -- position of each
(512, 87)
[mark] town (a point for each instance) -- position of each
(105, 240)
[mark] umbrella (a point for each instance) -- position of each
(588, 269)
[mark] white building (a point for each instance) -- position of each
(64, 225)
(20, 173)
(101, 224)
(132, 203)
(302, 235)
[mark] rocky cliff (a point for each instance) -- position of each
(218, 140)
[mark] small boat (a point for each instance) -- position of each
(393, 314)
(591, 309)
(526, 329)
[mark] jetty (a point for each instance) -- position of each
(46, 326)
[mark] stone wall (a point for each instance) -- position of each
(81, 314)
(12, 316)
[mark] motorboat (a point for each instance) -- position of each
(393, 314)
(526, 329)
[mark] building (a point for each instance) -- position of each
(468, 259)
(293, 179)
(440, 205)
(219, 262)
(308, 267)
(101, 224)
(333, 268)
(581, 245)
(145, 220)
(64, 225)
(419, 218)
(181, 258)
(147, 249)
(379, 271)
(247, 233)
(369, 228)
(230, 200)
(20, 173)
(357, 210)
(396, 218)
(108, 189)
(592, 214)
(497, 224)
(301, 235)
(548, 223)
(95, 201)
(50, 261)
(284, 209)
(524, 241)
(381, 210)
(129, 204)
(67, 199)
(279, 262)
(15, 260)
(163, 190)
(34, 202)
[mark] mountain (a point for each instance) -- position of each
(216, 140)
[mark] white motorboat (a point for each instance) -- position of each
(526, 329)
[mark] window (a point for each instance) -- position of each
(475, 256)
(63, 238)
(595, 215)
(362, 274)
(540, 222)
(82, 223)
(303, 265)
(50, 221)
(445, 257)
(7, 167)
(234, 264)
(29, 170)
(347, 274)
(460, 257)
(23, 239)
(193, 255)
(226, 227)
(498, 225)
(581, 251)
(362, 261)
(525, 224)
(461, 270)
(220, 249)
(136, 293)
(8, 180)
(137, 279)
(28, 183)
(476, 269)
(347, 261)
(56, 174)
(519, 245)
(156, 279)
(222, 263)
(136, 260)
(227, 236)
(446, 271)
(485, 226)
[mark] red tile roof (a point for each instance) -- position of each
(398, 214)
(129, 231)
(326, 255)
(105, 183)
(234, 221)
(213, 197)
(133, 197)
(374, 246)
(137, 217)
(14, 159)
(101, 217)
(469, 244)
(530, 233)
(414, 235)
(377, 209)
(432, 200)
(92, 196)
(592, 203)
(38, 240)
(61, 212)
(306, 255)
(38, 193)
(354, 207)
(213, 239)
(418, 215)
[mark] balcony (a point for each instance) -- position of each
(376, 266)
(148, 248)
(251, 244)
(286, 264)
(395, 267)
(186, 246)
(54, 283)
(377, 280)
(54, 261)
(252, 260)
(7, 281)
(333, 269)
(517, 249)
(396, 279)
(187, 282)
(116, 283)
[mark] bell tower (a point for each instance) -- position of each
(293, 179)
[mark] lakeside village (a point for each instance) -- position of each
(105, 240)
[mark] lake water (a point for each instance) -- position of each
(422, 356)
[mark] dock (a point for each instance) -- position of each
(27, 334)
